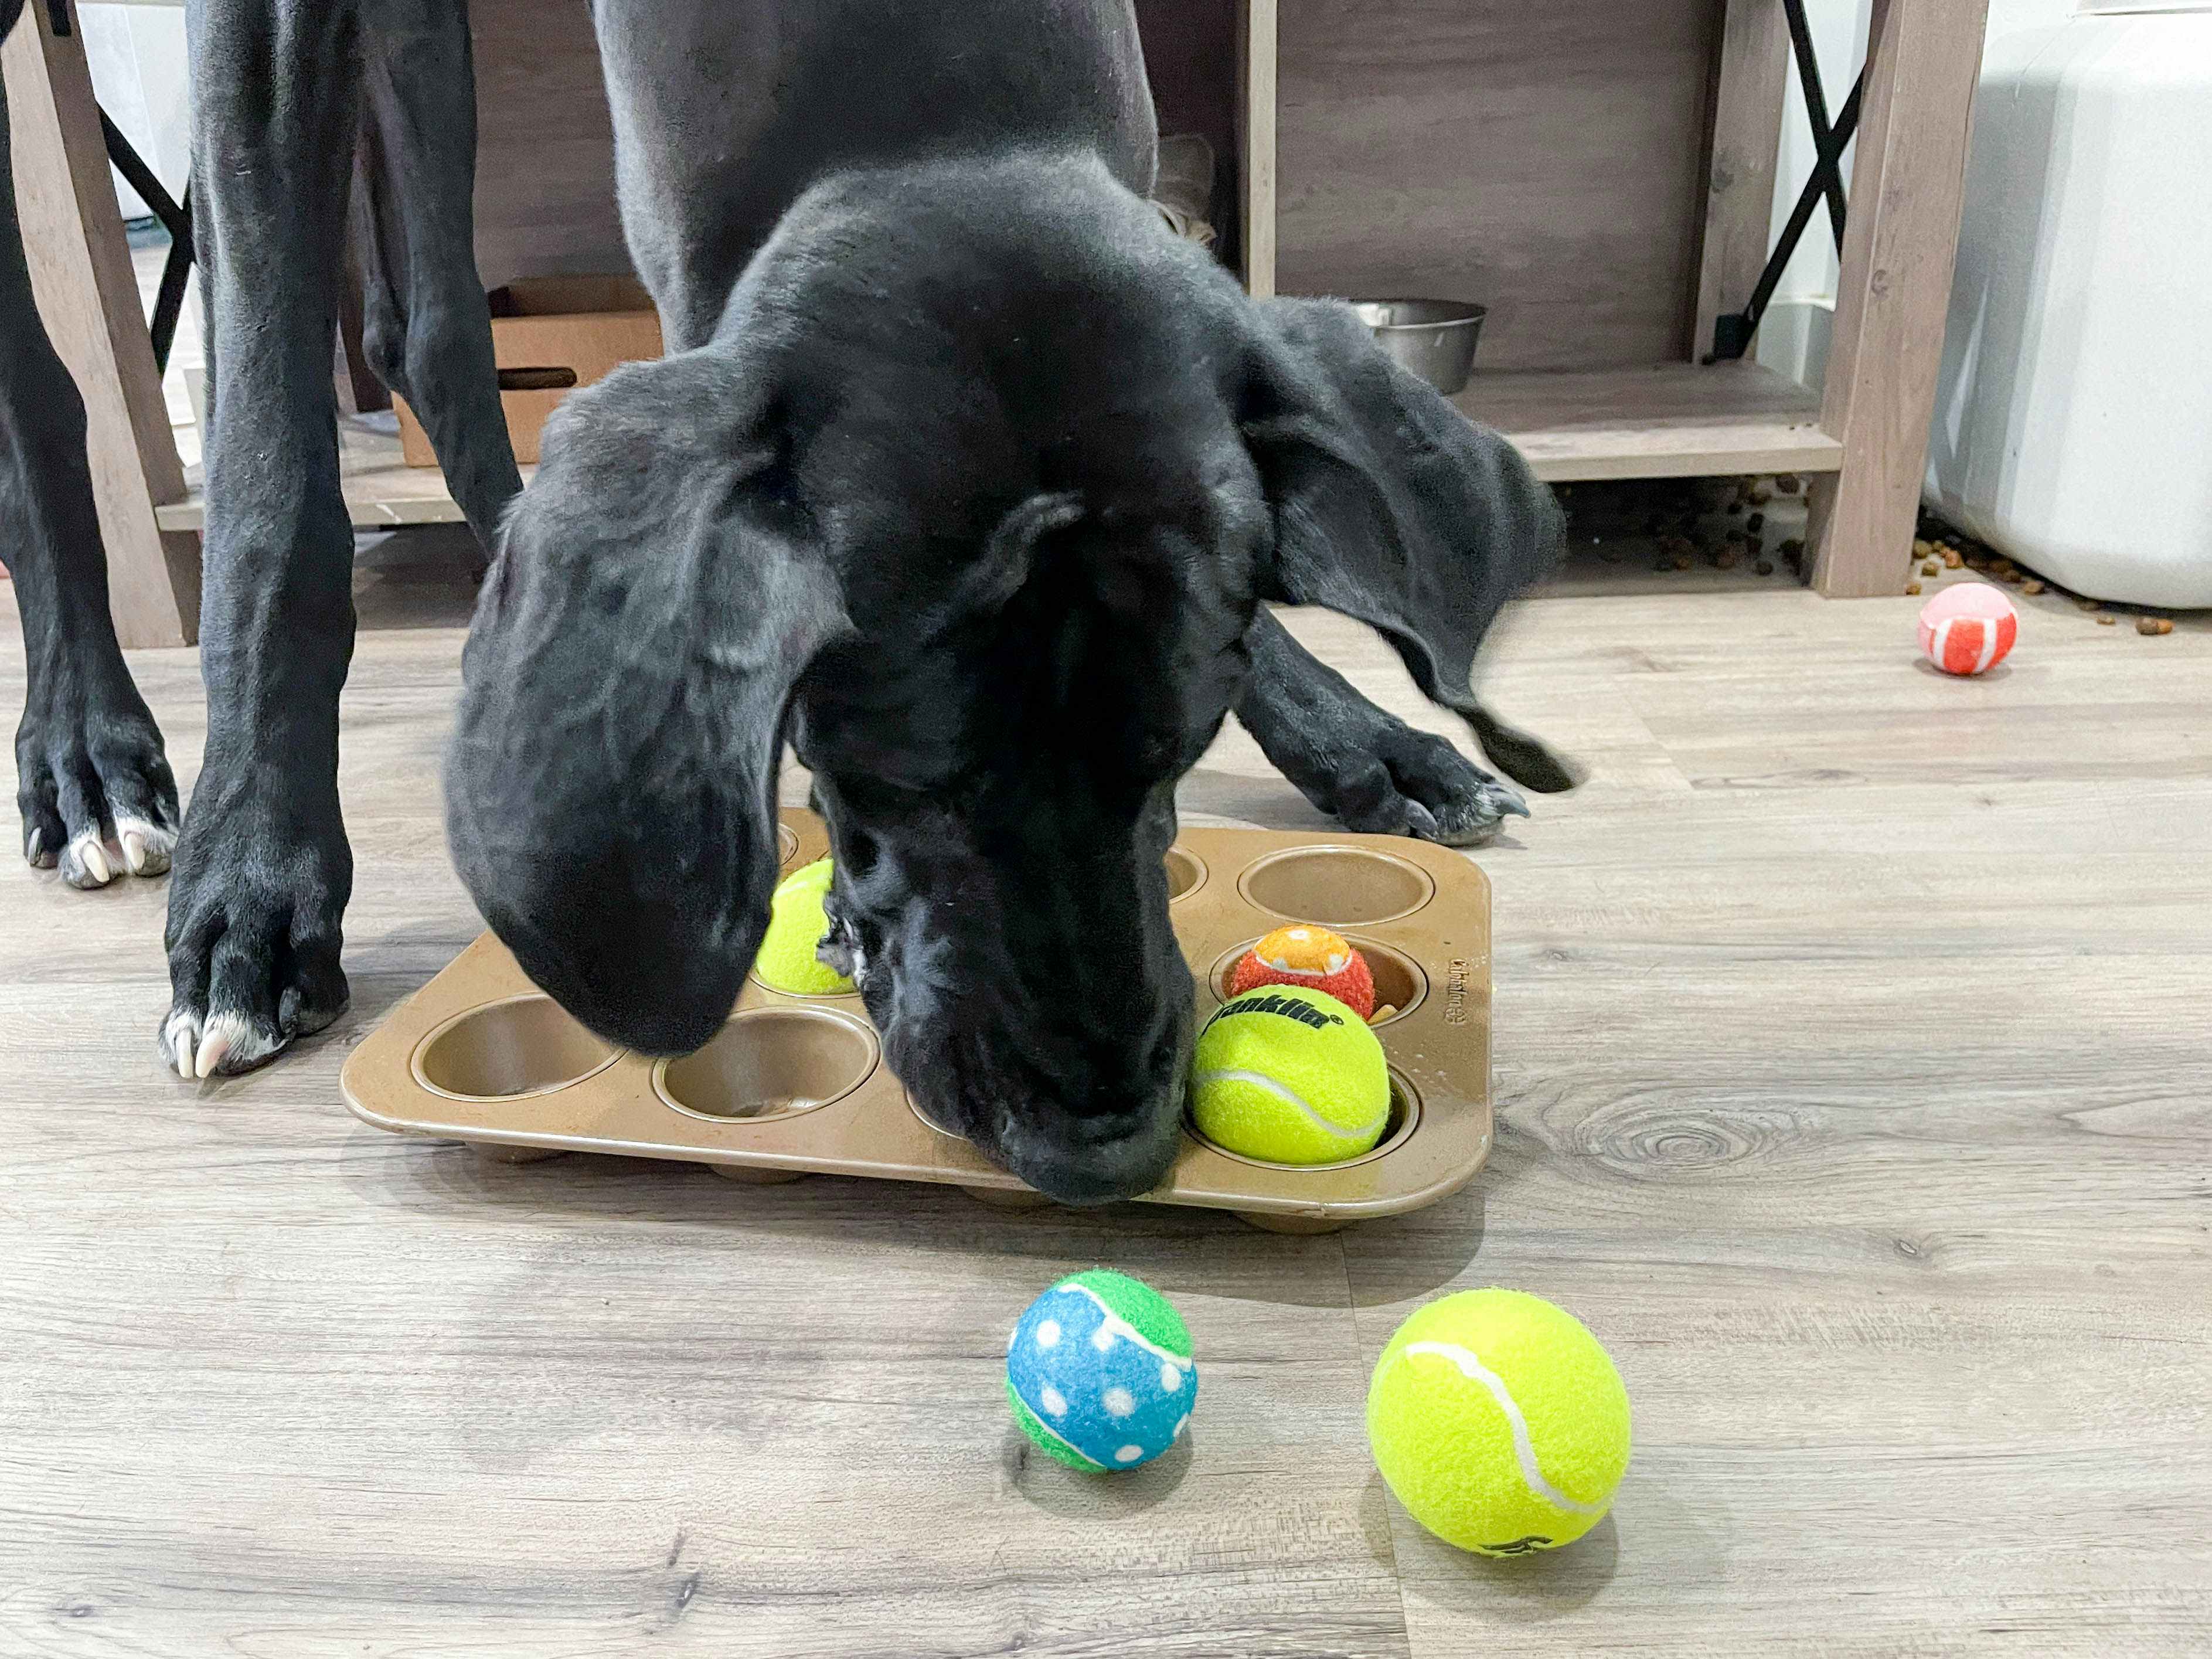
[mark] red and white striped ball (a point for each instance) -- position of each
(1968, 629)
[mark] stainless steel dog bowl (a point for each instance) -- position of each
(1435, 338)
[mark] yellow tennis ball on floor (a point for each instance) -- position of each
(1290, 1075)
(1499, 1422)
(786, 961)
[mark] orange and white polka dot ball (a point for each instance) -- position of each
(1968, 629)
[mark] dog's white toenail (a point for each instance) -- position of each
(134, 853)
(94, 860)
(214, 1047)
(177, 1037)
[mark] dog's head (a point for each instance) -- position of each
(972, 499)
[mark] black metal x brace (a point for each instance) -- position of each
(176, 218)
(1733, 331)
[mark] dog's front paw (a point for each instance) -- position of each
(253, 937)
(93, 784)
(1415, 783)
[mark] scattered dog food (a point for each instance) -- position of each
(1952, 558)
(1931, 567)
(1788, 484)
(1912, 590)
(2030, 586)
(2154, 625)
(2106, 619)
(1755, 523)
(1765, 567)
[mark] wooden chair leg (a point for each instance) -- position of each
(1924, 58)
(80, 270)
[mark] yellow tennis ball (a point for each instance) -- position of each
(786, 961)
(1290, 1075)
(1499, 1422)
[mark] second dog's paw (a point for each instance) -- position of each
(1418, 785)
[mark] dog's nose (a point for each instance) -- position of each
(1087, 1172)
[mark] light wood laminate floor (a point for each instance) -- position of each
(1854, 1067)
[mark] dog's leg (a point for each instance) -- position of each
(425, 328)
(1378, 775)
(92, 780)
(263, 870)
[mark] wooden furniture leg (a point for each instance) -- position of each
(1924, 58)
(81, 270)
(1256, 132)
(1749, 77)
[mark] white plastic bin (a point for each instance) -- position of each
(2074, 414)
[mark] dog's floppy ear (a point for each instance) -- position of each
(1391, 507)
(611, 784)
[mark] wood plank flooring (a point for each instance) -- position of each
(1855, 1087)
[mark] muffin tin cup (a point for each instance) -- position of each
(794, 1085)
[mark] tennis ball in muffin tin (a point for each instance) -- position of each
(786, 961)
(1292, 1076)
(1099, 1373)
(1312, 957)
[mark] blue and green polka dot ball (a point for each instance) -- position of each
(1099, 1373)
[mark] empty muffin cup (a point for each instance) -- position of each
(1337, 886)
(770, 1063)
(524, 1045)
(1186, 873)
(1399, 984)
(1398, 1128)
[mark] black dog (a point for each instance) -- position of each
(966, 476)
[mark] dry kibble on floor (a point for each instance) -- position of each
(2030, 586)
(2010, 578)
(2105, 618)
(1765, 567)
(1921, 548)
(1761, 497)
(1725, 558)
(2154, 624)
(1912, 589)
(1682, 562)
(1931, 567)
(1735, 508)
(1952, 560)
(1756, 522)
(1791, 548)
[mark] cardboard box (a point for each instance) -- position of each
(549, 336)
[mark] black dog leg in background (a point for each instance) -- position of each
(425, 328)
(262, 871)
(1380, 775)
(93, 782)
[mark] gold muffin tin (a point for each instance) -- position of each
(797, 1086)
